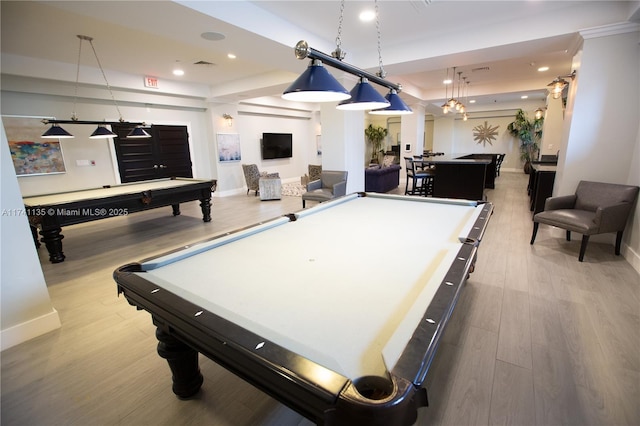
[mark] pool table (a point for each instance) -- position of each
(50, 212)
(327, 309)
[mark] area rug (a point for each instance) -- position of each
(293, 189)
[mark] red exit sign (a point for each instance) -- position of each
(151, 82)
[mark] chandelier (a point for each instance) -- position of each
(455, 104)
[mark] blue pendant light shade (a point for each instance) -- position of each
(102, 132)
(56, 132)
(315, 84)
(138, 133)
(397, 107)
(363, 97)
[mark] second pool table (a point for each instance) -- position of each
(50, 212)
(327, 309)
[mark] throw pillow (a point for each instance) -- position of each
(388, 160)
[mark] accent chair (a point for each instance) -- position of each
(332, 184)
(595, 208)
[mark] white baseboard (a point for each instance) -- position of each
(631, 256)
(28, 330)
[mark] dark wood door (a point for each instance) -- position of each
(165, 154)
(172, 151)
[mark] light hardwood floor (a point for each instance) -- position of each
(537, 337)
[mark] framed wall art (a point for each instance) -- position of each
(31, 154)
(228, 147)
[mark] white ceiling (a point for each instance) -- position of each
(498, 45)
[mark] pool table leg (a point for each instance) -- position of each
(52, 239)
(176, 209)
(183, 362)
(205, 206)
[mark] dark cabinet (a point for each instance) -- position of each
(540, 188)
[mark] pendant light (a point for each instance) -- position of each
(445, 105)
(315, 84)
(363, 97)
(452, 101)
(138, 133)
(56, 132)
(396, 106)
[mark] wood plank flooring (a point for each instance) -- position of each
(537, 338)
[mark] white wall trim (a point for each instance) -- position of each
(631, 256)
(608, 30)
(28, 330)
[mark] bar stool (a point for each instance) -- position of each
(421, 180)
(429, 182)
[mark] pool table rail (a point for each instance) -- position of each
(422, 347)
(316, 392)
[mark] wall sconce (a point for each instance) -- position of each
(557, 86)
(101, 132)
(228, 119)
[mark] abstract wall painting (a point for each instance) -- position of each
(31, 154)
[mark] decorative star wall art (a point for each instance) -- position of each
(484, 133)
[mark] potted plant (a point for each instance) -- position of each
(375, 136)
(529, 132)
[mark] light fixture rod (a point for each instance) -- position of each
(303, 50)
(53, 121)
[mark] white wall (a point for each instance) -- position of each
(602, 134)
(600, 140)
(552, 129)
(344, 148)
(631, 249)
(19, 103)
(26, 311)
(250, 122)
(452, 135)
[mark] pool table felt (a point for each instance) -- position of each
(336, 287)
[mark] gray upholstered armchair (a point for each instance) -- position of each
(331, 184)
(252, 177)
(595, 208)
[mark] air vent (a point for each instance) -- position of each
(480, 69)
(203, 63)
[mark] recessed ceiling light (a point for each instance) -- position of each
(212, 36)
(542, 69)
(524, 97)
(231, 56)
(177, 68)
(472, 101)
(447, 81)
(367, 15)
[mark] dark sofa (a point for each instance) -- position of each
(381, 179)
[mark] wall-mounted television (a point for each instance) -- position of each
(277, 145)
